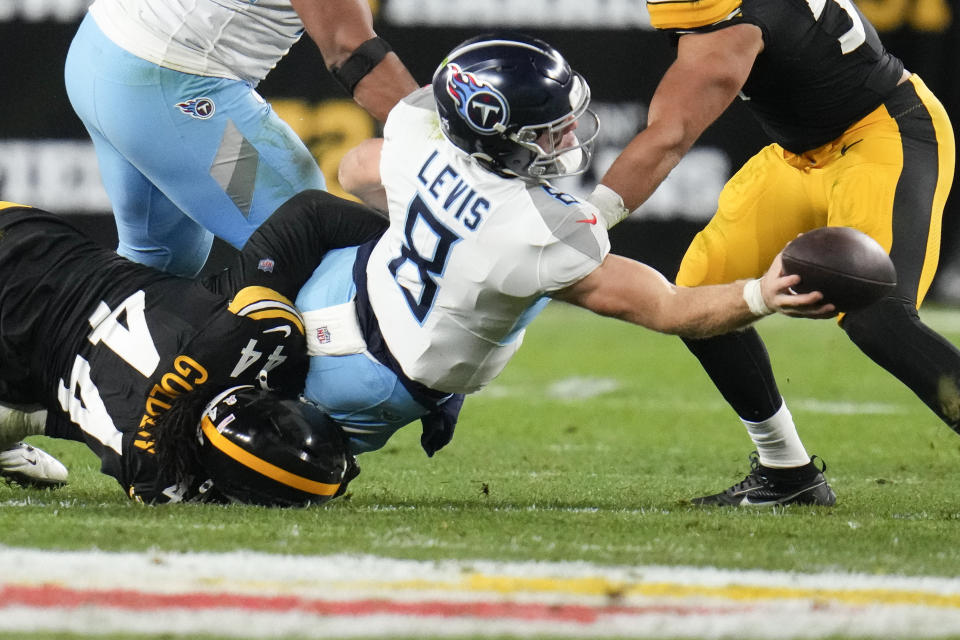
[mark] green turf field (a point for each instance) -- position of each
(587, 448)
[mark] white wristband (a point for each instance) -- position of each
(754, 298)
(609, 203)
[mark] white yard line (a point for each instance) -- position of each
(254, 595)
(603, 390)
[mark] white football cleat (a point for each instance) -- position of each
(29, 466)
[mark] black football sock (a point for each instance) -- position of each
(738, 364)
(791, 476)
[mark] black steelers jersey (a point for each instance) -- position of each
(105, 345)
(822, 67)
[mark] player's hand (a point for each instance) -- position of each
(439, 425)
(780, 298)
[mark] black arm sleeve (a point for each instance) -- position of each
(285, 250)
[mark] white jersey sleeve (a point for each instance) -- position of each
(470, 257)
(236, 39)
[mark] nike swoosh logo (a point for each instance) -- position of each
(284, 328)
(846, 147)
(746, 501)
(592, 220)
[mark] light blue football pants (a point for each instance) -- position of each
(183, 158)
(364, 396)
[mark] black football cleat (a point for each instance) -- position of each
(758, 490)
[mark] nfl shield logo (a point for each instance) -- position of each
(266, 264)
(323, 335)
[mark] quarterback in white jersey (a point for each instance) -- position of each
(470, 257)
(186, 147)
(478, 243)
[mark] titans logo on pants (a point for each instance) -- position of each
(200, 108)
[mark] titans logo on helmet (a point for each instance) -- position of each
(200, 108)
(481, 106)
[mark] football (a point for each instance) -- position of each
(848, 266)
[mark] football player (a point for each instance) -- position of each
(858, 141)
(479, 242)
(187, 148)
(96, 348)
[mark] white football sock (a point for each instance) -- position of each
(777, 442)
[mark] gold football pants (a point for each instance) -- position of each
(888, 175)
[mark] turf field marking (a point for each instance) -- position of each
(257, 595)
(848, 408)
(578, 389)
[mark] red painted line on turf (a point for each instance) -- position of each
(52, 596)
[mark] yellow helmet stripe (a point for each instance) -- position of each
(285, 314)
(263, 467)
(263, 302)
(10, 205)
(689, 14)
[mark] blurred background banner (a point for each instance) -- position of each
(47, 160)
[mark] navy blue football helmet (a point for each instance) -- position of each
(514, 103)
(260, 448)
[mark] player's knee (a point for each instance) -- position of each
(184, 261)
(187, 266)
(874, 325)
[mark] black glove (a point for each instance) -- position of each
(438, 425)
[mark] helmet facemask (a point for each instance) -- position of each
(562, 147)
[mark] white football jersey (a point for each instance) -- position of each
(469, 257)
(236, 39)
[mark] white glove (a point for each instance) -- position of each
(609, 203)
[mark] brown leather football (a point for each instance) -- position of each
(850, 268)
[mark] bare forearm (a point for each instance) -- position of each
(697, 312)
(634, 292)
(709, 71)
(384, 87)
(701, 312)
(339, 27)
(642, 166)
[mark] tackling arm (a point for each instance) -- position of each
(339, 27)
(707, 75)
(631, 291)
(285, 250)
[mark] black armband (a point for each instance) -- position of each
(361, 62)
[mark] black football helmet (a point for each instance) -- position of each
(260, 448)
(514, 103)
